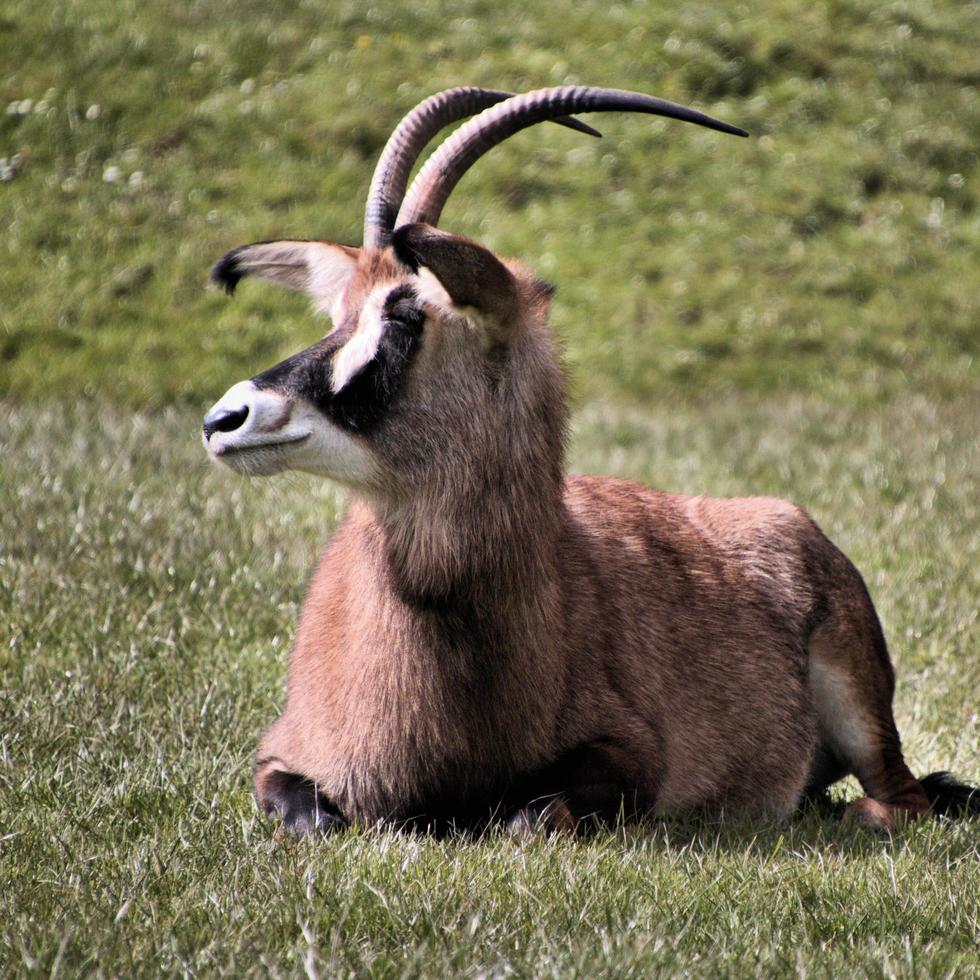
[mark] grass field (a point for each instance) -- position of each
(147, 607)
(796, 315)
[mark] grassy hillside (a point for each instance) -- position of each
(836, 252)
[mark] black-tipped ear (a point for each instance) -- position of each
(224, 272)
(319, 269)
(472, 276)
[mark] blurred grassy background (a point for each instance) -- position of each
(836, 252)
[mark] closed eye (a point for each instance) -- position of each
(402, 308)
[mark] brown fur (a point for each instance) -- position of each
(483, 632)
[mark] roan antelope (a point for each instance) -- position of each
(486, 638)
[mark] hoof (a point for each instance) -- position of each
(867, 812)
(301, 807)
(548, 816)
(304, 821)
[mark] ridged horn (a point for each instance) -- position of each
(408, 140)
(443, 170)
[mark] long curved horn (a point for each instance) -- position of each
(407, 142)
(442, 171)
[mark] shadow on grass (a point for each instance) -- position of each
(816, 829)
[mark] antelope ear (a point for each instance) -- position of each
(319, 269)
(475, 281)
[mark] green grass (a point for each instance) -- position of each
(835, 252)
(146, 606)
(795, 314)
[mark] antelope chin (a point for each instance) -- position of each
(259, 458)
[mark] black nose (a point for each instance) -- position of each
(224, 420)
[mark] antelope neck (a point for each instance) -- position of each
(449, 562)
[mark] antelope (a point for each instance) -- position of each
(489, 641)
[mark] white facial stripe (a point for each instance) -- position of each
(363, 345)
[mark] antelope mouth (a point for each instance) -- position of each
(233, 449)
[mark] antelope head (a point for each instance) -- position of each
(438, 348)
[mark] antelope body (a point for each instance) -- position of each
(485, 637)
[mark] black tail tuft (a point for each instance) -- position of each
(949, 797)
